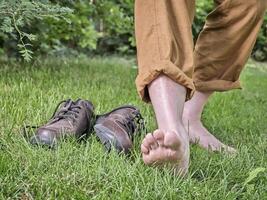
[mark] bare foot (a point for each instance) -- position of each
(169, 149)
(198, 134)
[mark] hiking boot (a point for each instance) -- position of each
(69, 119)
(118, 127)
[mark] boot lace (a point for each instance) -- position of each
(68, 111)
(132, 123)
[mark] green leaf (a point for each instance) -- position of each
(253, 174)
(7, 26)
(31, 37)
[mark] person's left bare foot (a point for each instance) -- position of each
(198, 134)
(168, 148)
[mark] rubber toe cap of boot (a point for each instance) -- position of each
(44, 137)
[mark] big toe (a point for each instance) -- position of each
(172, 140)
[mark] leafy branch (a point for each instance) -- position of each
(16, 14)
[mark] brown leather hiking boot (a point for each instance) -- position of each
(69, 119)
(118, 127)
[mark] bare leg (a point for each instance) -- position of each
(197, 132)
(169, 144)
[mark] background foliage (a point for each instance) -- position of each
(83, 26)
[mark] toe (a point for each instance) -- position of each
(159, 136)
(230, 150)
(171, 139)
(144, 149)
(151, 141)
(146, 143)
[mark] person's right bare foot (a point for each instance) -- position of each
(168, 148)
(169, 145)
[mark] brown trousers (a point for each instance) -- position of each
(165, 44)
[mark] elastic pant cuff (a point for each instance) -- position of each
(169, 69)
(217, 85)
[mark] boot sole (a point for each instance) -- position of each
(39, 141)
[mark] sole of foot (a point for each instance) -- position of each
(167, 148)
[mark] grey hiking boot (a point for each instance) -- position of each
(69, 119)
(118, 127)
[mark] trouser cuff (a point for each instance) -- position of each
(167, 68)
(217, 85)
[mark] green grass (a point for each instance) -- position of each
(29, 94)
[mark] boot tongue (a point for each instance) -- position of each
(78, 102)
(83, 103)
(68, 104)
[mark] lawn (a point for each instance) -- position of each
(29, 94)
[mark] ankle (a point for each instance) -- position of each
(191, 114)
(193, 108)
(171, 126)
